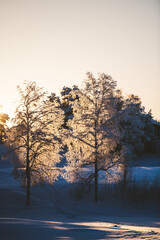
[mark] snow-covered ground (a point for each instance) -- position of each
(146, 169)
(54, 215)
(148, 174)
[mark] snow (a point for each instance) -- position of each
(142, 174)
(146, 169)
(53, 215)
(66, 229)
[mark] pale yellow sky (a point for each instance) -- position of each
(55, 42)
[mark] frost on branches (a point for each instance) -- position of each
(3, 127)
(93, 138)
(136, 125)
(35, 136)
(136, 130)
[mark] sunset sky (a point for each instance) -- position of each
(55, 42)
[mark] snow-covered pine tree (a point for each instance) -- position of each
(93, 138)
(67, 101)
(136, 130)
(35, 136)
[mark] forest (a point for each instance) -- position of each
(81, 136)
(82, 165)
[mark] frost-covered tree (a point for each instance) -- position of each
(93, 138)
(3, 119)
(35, 136)
(67, 101)
(136, 125)
(136, 129)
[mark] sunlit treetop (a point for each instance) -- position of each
(3, 119)
(3, 116)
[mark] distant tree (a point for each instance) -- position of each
(136, 130)
(93, 136)
(66, 101)
(3, 119)
(35, 136)
(66, 105)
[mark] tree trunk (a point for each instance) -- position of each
(28, 173)
(1, 134)
(96, 181)
(28, 189)
(28, 176)
(124, 184)
(96, 164)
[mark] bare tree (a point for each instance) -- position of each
(35, 136)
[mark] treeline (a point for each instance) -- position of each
(95, 127)
(3, 120)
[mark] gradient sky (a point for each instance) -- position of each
(55, 42)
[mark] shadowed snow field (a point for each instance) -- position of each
(50, 218)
